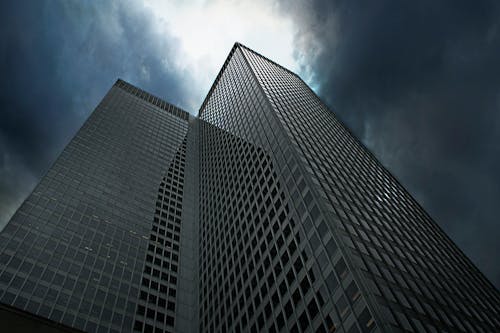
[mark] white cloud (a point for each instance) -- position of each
(206, 31)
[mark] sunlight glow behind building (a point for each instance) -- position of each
(206, 29)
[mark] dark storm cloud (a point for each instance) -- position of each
(57, 59)
(419, 83)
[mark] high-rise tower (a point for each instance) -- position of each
(263, 214)
(80, 249)
(314, 233)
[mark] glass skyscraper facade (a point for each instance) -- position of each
(80, 249)
(264, 213)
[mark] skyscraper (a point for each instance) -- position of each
(79, 250)
(264, 213)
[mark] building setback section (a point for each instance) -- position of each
(262, 214)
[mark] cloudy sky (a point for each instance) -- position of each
(417, 82)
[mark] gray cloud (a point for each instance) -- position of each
(57, 60)
(419, 83)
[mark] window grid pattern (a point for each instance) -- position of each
(74, 251)
(418, 279)
(152, 99)
(234, 253)
(157, 295)
(333, 301)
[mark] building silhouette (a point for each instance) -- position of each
(264, 213)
